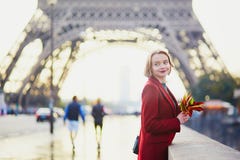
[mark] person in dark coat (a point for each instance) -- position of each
(98, 113)
(160, 114)
(72, 112)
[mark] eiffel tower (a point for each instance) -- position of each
(68, 24)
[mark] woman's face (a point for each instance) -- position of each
(160, 66)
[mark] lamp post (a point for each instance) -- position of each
(51, 101)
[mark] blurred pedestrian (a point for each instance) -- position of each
(3, 105)
(72, 112)
(98, 113)
(160, 114)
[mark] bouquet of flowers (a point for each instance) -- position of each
(188, 104)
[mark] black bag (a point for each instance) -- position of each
(135, 146)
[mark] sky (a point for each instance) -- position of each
(116, 73)
(219, 18)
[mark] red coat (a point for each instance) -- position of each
(158, 121)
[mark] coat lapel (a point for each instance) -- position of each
(171, 100)
(175, 103)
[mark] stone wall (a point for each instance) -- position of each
(191, 145)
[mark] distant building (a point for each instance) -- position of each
(124, 84)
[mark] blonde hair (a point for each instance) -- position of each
(148, 67)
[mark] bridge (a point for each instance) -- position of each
(60, 30)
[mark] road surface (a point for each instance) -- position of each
(38, 144)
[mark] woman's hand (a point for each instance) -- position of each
(183, 117)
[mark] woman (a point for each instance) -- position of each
(160, 116)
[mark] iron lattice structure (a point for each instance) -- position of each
(170, 24)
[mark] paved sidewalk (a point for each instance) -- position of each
(12, 126)
(118, 136)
